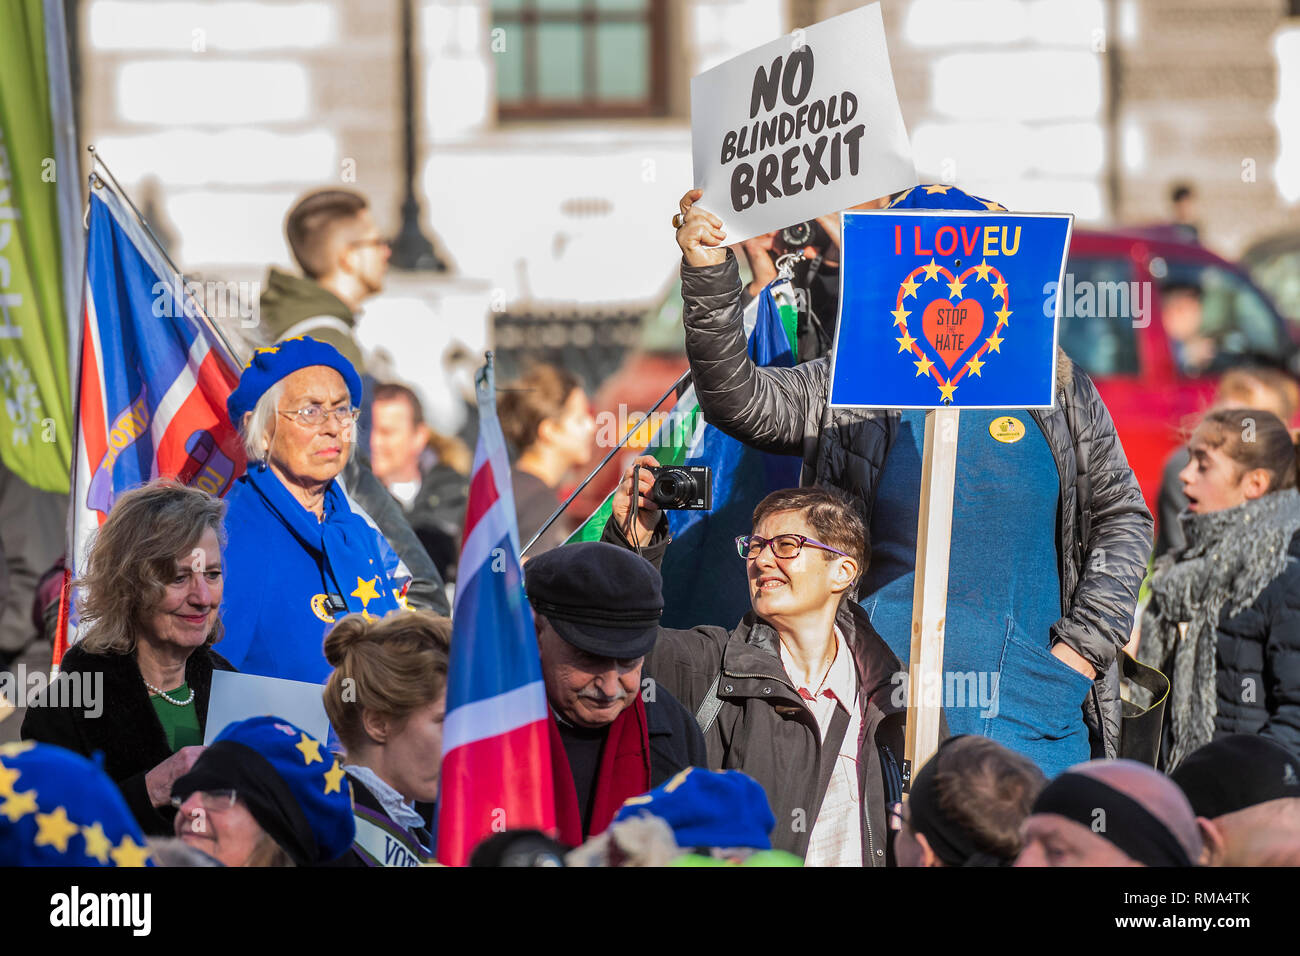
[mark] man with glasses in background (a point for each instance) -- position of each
(801, 694)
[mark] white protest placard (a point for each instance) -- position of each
(237, 697)
(800, 127)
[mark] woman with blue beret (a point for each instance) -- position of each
(300, 552)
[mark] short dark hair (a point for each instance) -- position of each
(311, 222)
(538, 394)
(393, 392)
(1180, 191)
(987, 791)
(831, 514)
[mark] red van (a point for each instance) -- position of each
(1155, 320)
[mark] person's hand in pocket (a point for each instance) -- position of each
(1067, 655)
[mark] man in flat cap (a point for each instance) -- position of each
(597, 610)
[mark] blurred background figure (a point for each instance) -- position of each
(1245, 790)
(967, 805)
(1184, 212)
(424, 470)
(546, 417)
(1249, 387)
(1111, 813)
(1181, 314)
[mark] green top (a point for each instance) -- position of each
(180, 724)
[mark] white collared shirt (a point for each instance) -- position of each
(397, 809)
(836, 838)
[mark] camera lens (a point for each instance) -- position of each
(796, 236)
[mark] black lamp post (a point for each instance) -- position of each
(411, 249)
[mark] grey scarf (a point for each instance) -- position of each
(1230, 557)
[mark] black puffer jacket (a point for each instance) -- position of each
(1258, 662)
(1104, 527)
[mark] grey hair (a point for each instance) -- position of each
(257, 427)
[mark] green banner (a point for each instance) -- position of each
(36, 417)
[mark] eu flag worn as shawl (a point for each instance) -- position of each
(496, 765)
(153, 379)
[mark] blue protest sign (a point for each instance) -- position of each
(948, 309)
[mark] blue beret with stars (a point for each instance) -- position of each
(274, 362)
(292, 785)
(59, 809)
(939, 196)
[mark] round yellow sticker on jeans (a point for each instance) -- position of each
(1007, 429)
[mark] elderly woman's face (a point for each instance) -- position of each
(191, 600)
(312, 453)
(222, 829)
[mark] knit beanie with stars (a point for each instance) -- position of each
(59, 809)
(294, 788)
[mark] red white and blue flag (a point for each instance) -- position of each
(152, 383)
(496, 765)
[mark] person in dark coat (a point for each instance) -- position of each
(1084, 532)
(387, 700)
(1223, 620)
(804, 677)
(135, 687)
(613, 735)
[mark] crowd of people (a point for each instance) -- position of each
(779, 740)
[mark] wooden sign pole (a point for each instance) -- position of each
(930, 594)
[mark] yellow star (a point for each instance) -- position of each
(955, 287)
(995, 343)
(16, 748)
(983, 269)
(993, 206)
(975, 365)
(902, 197)
(1000, 288)
(19, 805)
(1003, 314)
(905, 343)
(97, 844)
(55, 829)
(931, 270)
(931, 190)
(333, 777)
(900, 316)
(8, 777)
(366, 591)
(130, 853)
(946, 390)
(310, 748)
(923, 367)
(909, 287)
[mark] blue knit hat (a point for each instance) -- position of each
(59, 809)
(274, 362)
(708, 808)
(294, 788)
(938, 196)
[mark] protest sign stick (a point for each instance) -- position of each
(930, 593)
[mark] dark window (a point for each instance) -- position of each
(1215, 319)
(570, 58)
(1098, 315)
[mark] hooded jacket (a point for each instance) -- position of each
(292, 305)
(1104, 528)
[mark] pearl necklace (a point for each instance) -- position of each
(179, 703)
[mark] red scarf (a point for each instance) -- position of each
(624, 772)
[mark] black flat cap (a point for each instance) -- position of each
(1236, 772)
(600, 598)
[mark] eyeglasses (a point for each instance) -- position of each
(314, 416)
(750, 546)
(210, 800)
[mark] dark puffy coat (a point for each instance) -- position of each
(1101, 516)
(1258, 662)
(127, 732)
